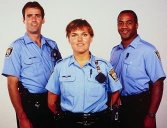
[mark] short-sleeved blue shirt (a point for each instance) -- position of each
(32, 64)
(136, 66)
(78, 88)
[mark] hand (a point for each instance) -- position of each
(24, 121)
(149, 122)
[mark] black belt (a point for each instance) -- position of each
(97, 114)
(146, 93)
(136, 97)
(86, 118)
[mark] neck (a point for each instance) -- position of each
(36, 38)
(82, 59)
(127, 42)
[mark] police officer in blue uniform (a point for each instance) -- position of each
(137, 64)
(28, 64)
(82, 82)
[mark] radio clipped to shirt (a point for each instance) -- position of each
(54, 52)
(101, 78)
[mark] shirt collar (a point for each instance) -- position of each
(91, 62)
(28, 39)
(133, 44)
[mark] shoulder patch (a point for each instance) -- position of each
(113, 74)
(8, 52)
(158, 55)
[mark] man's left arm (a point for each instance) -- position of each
(113, 98)
(156, 91)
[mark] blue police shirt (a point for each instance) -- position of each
(77, 87)
(32, 64)
(136, 66)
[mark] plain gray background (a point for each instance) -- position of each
(102, 15)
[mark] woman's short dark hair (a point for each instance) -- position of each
(78, 23)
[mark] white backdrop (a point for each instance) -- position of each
(102, 15)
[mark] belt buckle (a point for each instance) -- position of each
(85, 123)
(86, 120)
(86, 115)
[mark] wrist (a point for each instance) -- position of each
(21, 115)
(151, 114)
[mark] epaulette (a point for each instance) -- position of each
(58, 61)
(20, 39)
(47, 39)
(67, 57)
(63, 59)
(103, 61)
(115, 46)
(148, 44)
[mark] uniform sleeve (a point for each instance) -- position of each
(153, 66)
(12, 61)
(53, 84)
(114, 83)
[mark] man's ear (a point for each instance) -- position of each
(137, 25)
(23, 20)
(43, 21)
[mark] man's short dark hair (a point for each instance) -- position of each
(33, 4)
(131, 12)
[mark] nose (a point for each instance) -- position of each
(79, 38)
(124, 25)
(34, 18)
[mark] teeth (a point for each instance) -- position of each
(124, 32)
(34, 24)
(80, 44)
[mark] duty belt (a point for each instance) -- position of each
(86, 119)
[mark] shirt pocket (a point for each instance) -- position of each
(96, 89)
(133, 70)
(31, 65)
(68, 85)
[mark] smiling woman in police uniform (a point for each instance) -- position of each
(82, 81)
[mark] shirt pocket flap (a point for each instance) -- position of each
(67, 78)
(32, 60)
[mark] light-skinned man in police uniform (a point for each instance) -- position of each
(28, 65)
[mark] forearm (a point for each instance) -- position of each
(156, 91)
(15, 96)
(114, 98)
(53, 101)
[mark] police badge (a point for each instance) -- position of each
(8, 52)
